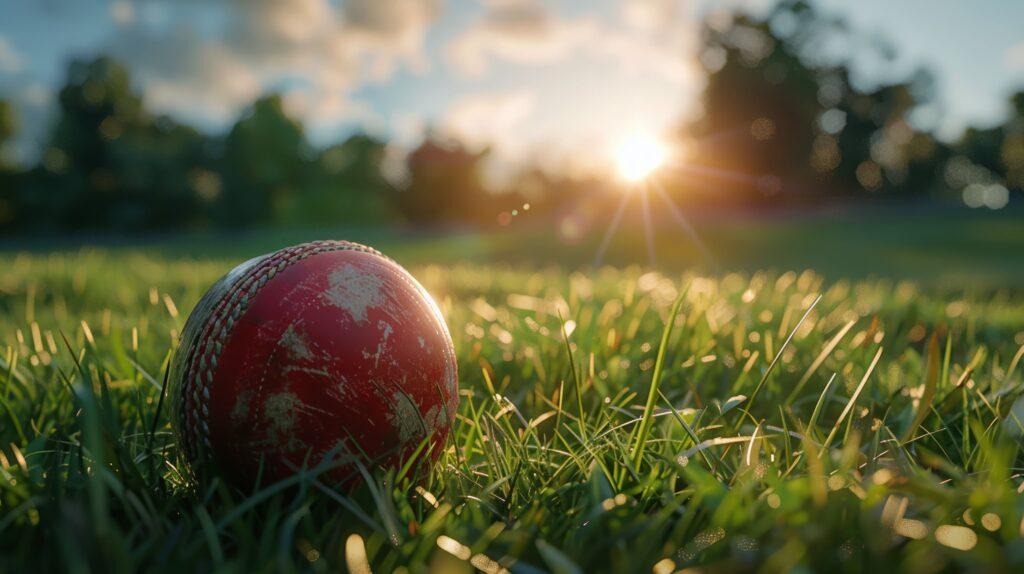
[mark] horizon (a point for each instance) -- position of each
(515, 75)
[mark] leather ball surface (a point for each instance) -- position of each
(326, 349)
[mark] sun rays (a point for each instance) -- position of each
(640, 160)
(639, 156)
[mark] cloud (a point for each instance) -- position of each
(659, 38)
(397, 24)
(122, 12)
(651, 15)
(33, 102)
(650, 42)
(641, 55)
(521, 31)
(652, 37)
(10, 61)
(483, 119)
(492, 120)
(315, 51)
(184, 73)
(1014, 57)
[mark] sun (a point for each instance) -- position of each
(638, 156)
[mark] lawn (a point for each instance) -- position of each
(787, 420)
(937, 246)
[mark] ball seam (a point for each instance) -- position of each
(229, 309)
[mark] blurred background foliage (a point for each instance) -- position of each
(780, 125)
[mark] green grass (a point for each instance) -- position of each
(875, 435)
(980, 250)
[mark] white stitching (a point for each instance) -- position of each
(199, 372)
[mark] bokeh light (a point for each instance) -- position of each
(639, 156)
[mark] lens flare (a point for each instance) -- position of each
(639, 156)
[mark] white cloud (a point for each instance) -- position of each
(1015, 57)
(653, 37)
(521, 31)
(641, 55)
(660, 38)
(492, 120)
(650, 42)
(391, 26)
(10, 61)
(33, 104)
(122, 12)
(651, 15)
(483, 119)
(183, 73)
(205, 60)
(36, 94)
(316, 51)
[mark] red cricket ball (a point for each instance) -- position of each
(322, 349)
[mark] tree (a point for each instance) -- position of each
(778, 116)
(97, 107)
(347, 184)
(7, 194)
(169, 169)
(264, 164)
(445, 184)
(109, 164)
(760, 104)
(983, 146)
(8, 127)
(879, 150)
(1012, 152)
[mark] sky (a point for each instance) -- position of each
(560, 81)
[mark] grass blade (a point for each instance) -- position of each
(652, 395)
(849, 405)
(930, 380)
(778, 355)
(825, 352)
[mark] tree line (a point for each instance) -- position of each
(782, 106)
(778, 123)
(110, 164)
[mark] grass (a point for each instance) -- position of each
(610, 420)
(933, 245)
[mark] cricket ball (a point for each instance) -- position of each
(319, 354)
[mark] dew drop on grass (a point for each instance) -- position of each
(664, 566)
(991, 521)
(956, 537)
(910, 528)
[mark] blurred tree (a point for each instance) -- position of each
(983, 146)
(1012, 152)
(780, 115)
(169, 169)
(878, 148)
(347, 185)
(8, 127)
(987, 156)
(109, 164)
(96, 108)
(445, 184)
(760, 104)
(926, 159)
(265, 162)
(8, 200)
(559, 194)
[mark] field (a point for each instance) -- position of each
(615, 418)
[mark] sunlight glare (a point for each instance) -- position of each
(639, 156)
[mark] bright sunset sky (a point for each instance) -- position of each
(534, 79)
